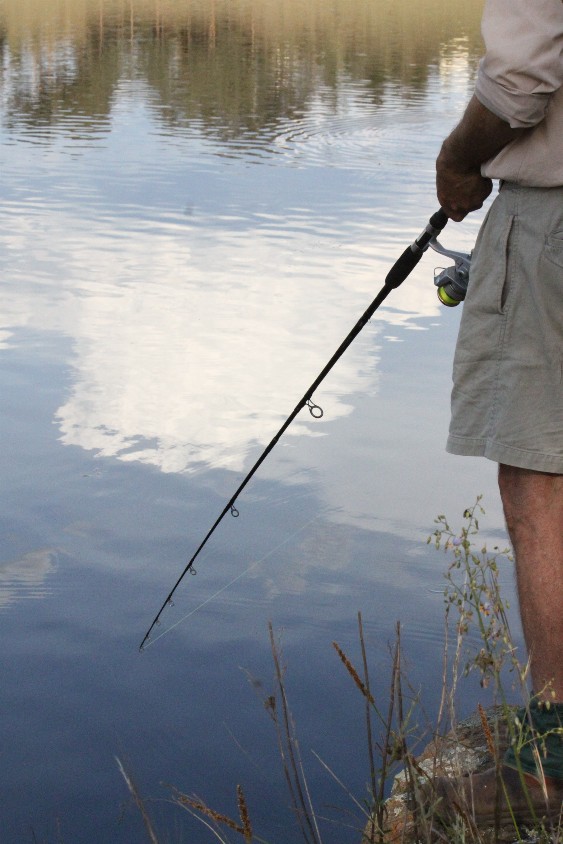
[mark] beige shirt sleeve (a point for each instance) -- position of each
(523, 63)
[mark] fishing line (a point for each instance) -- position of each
(152, 641)
(400, 270)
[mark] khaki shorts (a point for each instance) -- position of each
(507, 400)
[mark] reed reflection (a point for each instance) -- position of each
(237, 67)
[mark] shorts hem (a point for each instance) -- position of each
(522, 458)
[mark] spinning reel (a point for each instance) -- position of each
(452, 281)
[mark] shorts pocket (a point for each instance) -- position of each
(548, 302)
(488, 277)
(504, 266)
(554, 248)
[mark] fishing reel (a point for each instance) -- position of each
(452, 281)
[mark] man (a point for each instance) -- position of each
(507, 400)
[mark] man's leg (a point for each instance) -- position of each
(533, 507)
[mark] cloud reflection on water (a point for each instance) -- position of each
(26, 576)
(198, 363)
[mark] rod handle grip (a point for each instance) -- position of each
(406, 263)
(439, 220)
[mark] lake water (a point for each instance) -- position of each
(198, 201)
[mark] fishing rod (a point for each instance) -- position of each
(400, 270)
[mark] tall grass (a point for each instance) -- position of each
(474, 610)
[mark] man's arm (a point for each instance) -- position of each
(479, 136)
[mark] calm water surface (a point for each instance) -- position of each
(198, 200)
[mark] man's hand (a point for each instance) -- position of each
(478, 137)
(460, 189)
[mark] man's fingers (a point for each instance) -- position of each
(460, 193)
(455, 215)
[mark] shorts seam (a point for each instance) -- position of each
(486, 442)
(523, 451)
(492, 449)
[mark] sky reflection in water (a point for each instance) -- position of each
(180, 257)
(201, 280)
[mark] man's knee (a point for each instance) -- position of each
(526, 493)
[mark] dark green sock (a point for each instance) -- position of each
(547, 728)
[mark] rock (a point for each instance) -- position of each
(463, 750)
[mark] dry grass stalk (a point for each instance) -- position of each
(353, 673)
(291, 757)
(244, 816)
(491, 744)
(373, 778)
(411, 768)
(387, 751)
(199, 806)
(139, 802)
